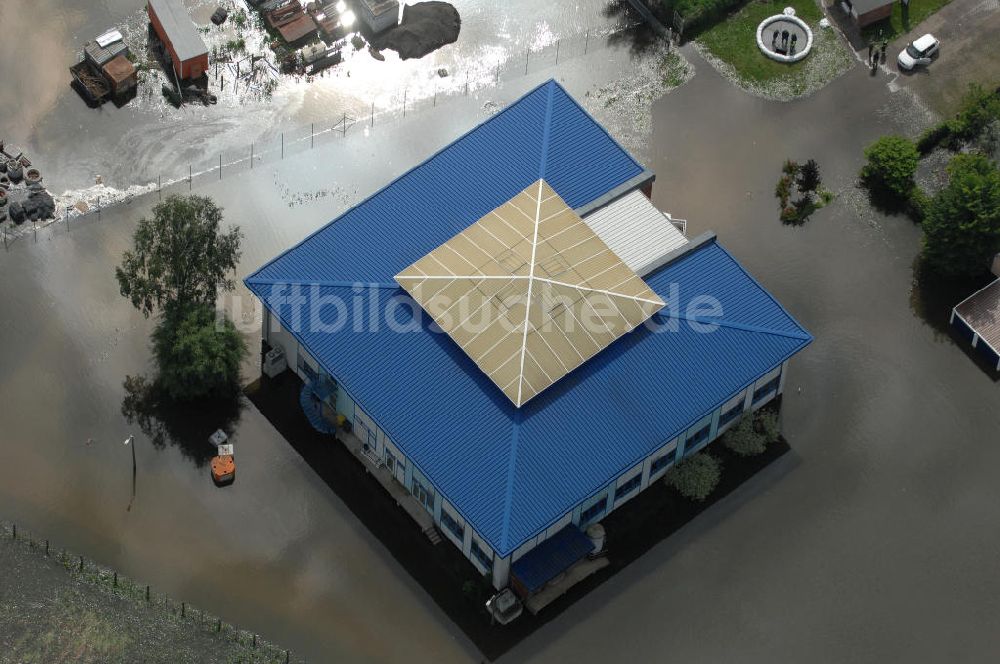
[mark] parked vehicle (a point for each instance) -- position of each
(918, 52)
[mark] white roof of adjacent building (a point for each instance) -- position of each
(179, 28)
(636, 231)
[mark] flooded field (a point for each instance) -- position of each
(873, 540)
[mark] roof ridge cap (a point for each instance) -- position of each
(515, 433)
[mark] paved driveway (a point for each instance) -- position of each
(969, 31)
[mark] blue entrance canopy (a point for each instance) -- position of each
(550, 558)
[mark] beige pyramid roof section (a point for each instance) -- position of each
(529, 292)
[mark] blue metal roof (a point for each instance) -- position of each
(550, 558)
(513, 472)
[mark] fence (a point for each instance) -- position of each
(381, 112)
(247, 646)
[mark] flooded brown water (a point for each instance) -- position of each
(874, 540)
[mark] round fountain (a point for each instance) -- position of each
(784, 37)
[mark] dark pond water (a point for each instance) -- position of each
(876, 539)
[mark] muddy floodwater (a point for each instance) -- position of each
(874, 540)
(148, 139)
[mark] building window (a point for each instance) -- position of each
(731, 414)
(766, 389)
(593, 512)
(423, 495)
(699, 438)
(628, 487)
(481, 556)
(449, 522)
(390, 461)
(659, 463)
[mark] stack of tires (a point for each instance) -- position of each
(15, 171)
(3, 204)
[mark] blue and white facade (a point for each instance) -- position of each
(497, 479)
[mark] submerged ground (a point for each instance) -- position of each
(873, 540)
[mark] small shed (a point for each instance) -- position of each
(866, 12)
(185, 47)
(121, 74)
(379, 15)
(98, 55)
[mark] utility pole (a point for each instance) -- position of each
(130, 442)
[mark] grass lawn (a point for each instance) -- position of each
(733, 42)
(902, 20)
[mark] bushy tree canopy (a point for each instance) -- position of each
(180, 256)
(695, 477)
(962, 226)
(892, 161)
(198, 354)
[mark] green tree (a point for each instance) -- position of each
(891, 163)
(180, 258)
(198, 354)
(980, 108)
(962, 226)
(695, 477)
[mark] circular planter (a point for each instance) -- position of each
(784, 18)
(3, 198)
(32, 176)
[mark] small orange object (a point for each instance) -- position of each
(224, 469)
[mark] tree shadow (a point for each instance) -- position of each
(640, 37)
(186, 426)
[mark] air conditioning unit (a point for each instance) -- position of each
(274, 362)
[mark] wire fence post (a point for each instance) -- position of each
(282, 145)
(373, 113)
(159, 186)
(220, 165)
(404, 102)
(527, 52)
(98, 208)
(312, 135)
(586, 42)
(251, 155)
(557, 50)
(190, 176)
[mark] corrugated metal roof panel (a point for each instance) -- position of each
(466, 180)
(981, 311)
(636, 231)
(179, 28)
(513, 472)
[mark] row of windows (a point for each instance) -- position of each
(699, 438)
(731, 414)
(594, 511)
(659, 463)
(481, 556)
(766, 388)
(628, 487)
(449, 522)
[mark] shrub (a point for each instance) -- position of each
(932, 138)
(743, 439)
(695, 477)
(962, 226)
(767, 421)
(790, 167)
(980, 107)
(808, 180)
(891, 163)
(789, 214)
(918, 205)
(783, 189)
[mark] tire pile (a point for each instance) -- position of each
(22, 195)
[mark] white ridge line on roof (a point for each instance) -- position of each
(464, 259)
(531, 283)
(507, 224)
(494, 236)
(474, 277)
(476, 245)
(637, 298)
(539, 365)
(601, 318)
(541, 336)
(568, 341)
(584, 328)
(568, 228)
